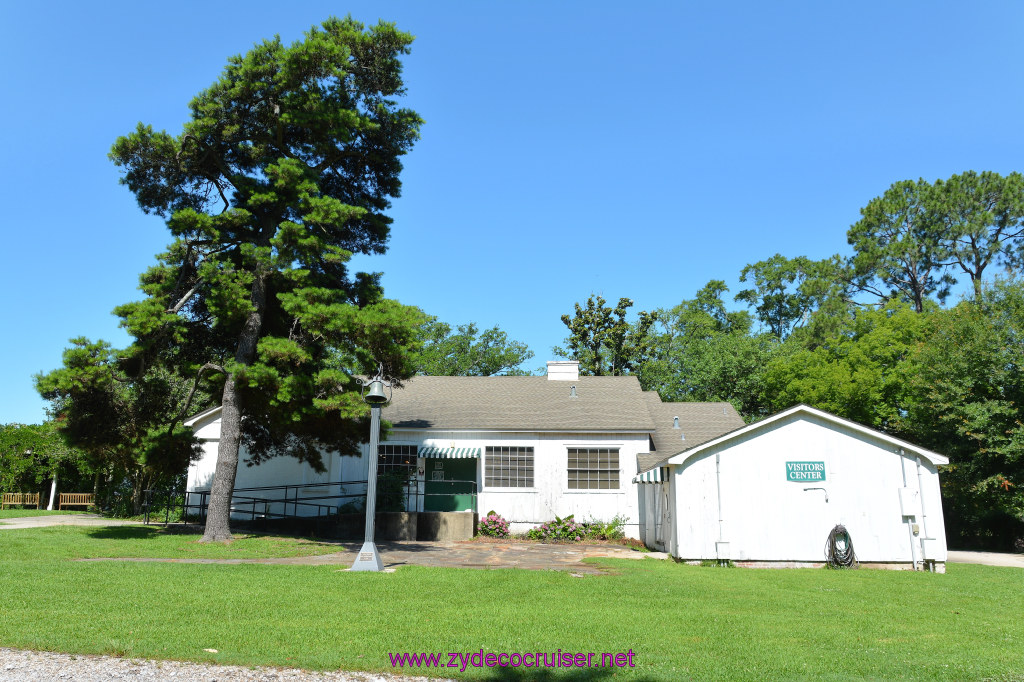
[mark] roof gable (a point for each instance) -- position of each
(806, 410)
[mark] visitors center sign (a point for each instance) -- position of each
(805, 471)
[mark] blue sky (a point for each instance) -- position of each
(570, 147)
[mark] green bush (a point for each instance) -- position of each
(613, 530)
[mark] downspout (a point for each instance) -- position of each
(718, 484)
(920, 491)
(924, 514)
(910, 523)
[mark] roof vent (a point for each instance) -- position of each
(675, 422)
(572, 391)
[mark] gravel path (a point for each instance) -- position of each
(40, 666)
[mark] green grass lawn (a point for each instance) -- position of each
(18, 513)
(683, 622)
(78, 542)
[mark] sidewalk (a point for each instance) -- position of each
(62, 520)
(986, 558)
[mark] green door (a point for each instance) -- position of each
(450, 484)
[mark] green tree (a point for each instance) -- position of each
(703, 352)
(968, 404)
(787, 290)
(860, 372)
(30, 454)
(898, 246)
(469, 352)
(982, 218)
(128, 425)
(601, 339)
(284, 170)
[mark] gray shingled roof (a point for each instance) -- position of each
(646, 461)
(520, 404)
(698, 422)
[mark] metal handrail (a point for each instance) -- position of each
(290, 498)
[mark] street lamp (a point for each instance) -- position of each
(368, 558)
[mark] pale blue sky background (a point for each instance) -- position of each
(570, 147)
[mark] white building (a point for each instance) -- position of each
(769, 494)
(530, 448)
(688, 478)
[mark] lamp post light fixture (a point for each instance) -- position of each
(368, 558)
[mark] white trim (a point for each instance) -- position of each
(466, 429)
(933, 457)
(200, 415)
(509, 490)
(624, 430)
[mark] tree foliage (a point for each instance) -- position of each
(30, 454)
(283, 171)
(128, 424)
(967, 387)
(859, 373)
(787, 290)
(601, 339)
(466, 351)
(898, 246)
(703, 352)
(981, 219)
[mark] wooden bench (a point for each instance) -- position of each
(75, 500)
(20, 499)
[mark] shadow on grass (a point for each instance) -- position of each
(129, 532)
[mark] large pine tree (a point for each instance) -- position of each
(283, 172)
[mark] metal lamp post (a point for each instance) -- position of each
(368, 558)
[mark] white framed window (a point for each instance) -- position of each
(398, 458)
(508, 467)
(593, 468)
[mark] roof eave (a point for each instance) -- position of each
(681, 457)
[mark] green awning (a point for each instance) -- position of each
(449, 453)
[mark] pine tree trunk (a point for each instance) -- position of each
(218, 516)
(138, 484)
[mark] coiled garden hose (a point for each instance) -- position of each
(839, 549)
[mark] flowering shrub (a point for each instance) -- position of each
(613, 530)
(493, 526)
(569, 530)
(566, 530)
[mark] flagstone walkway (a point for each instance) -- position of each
(480, 555)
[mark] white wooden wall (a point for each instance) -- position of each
(524, 508)
(768, 518)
